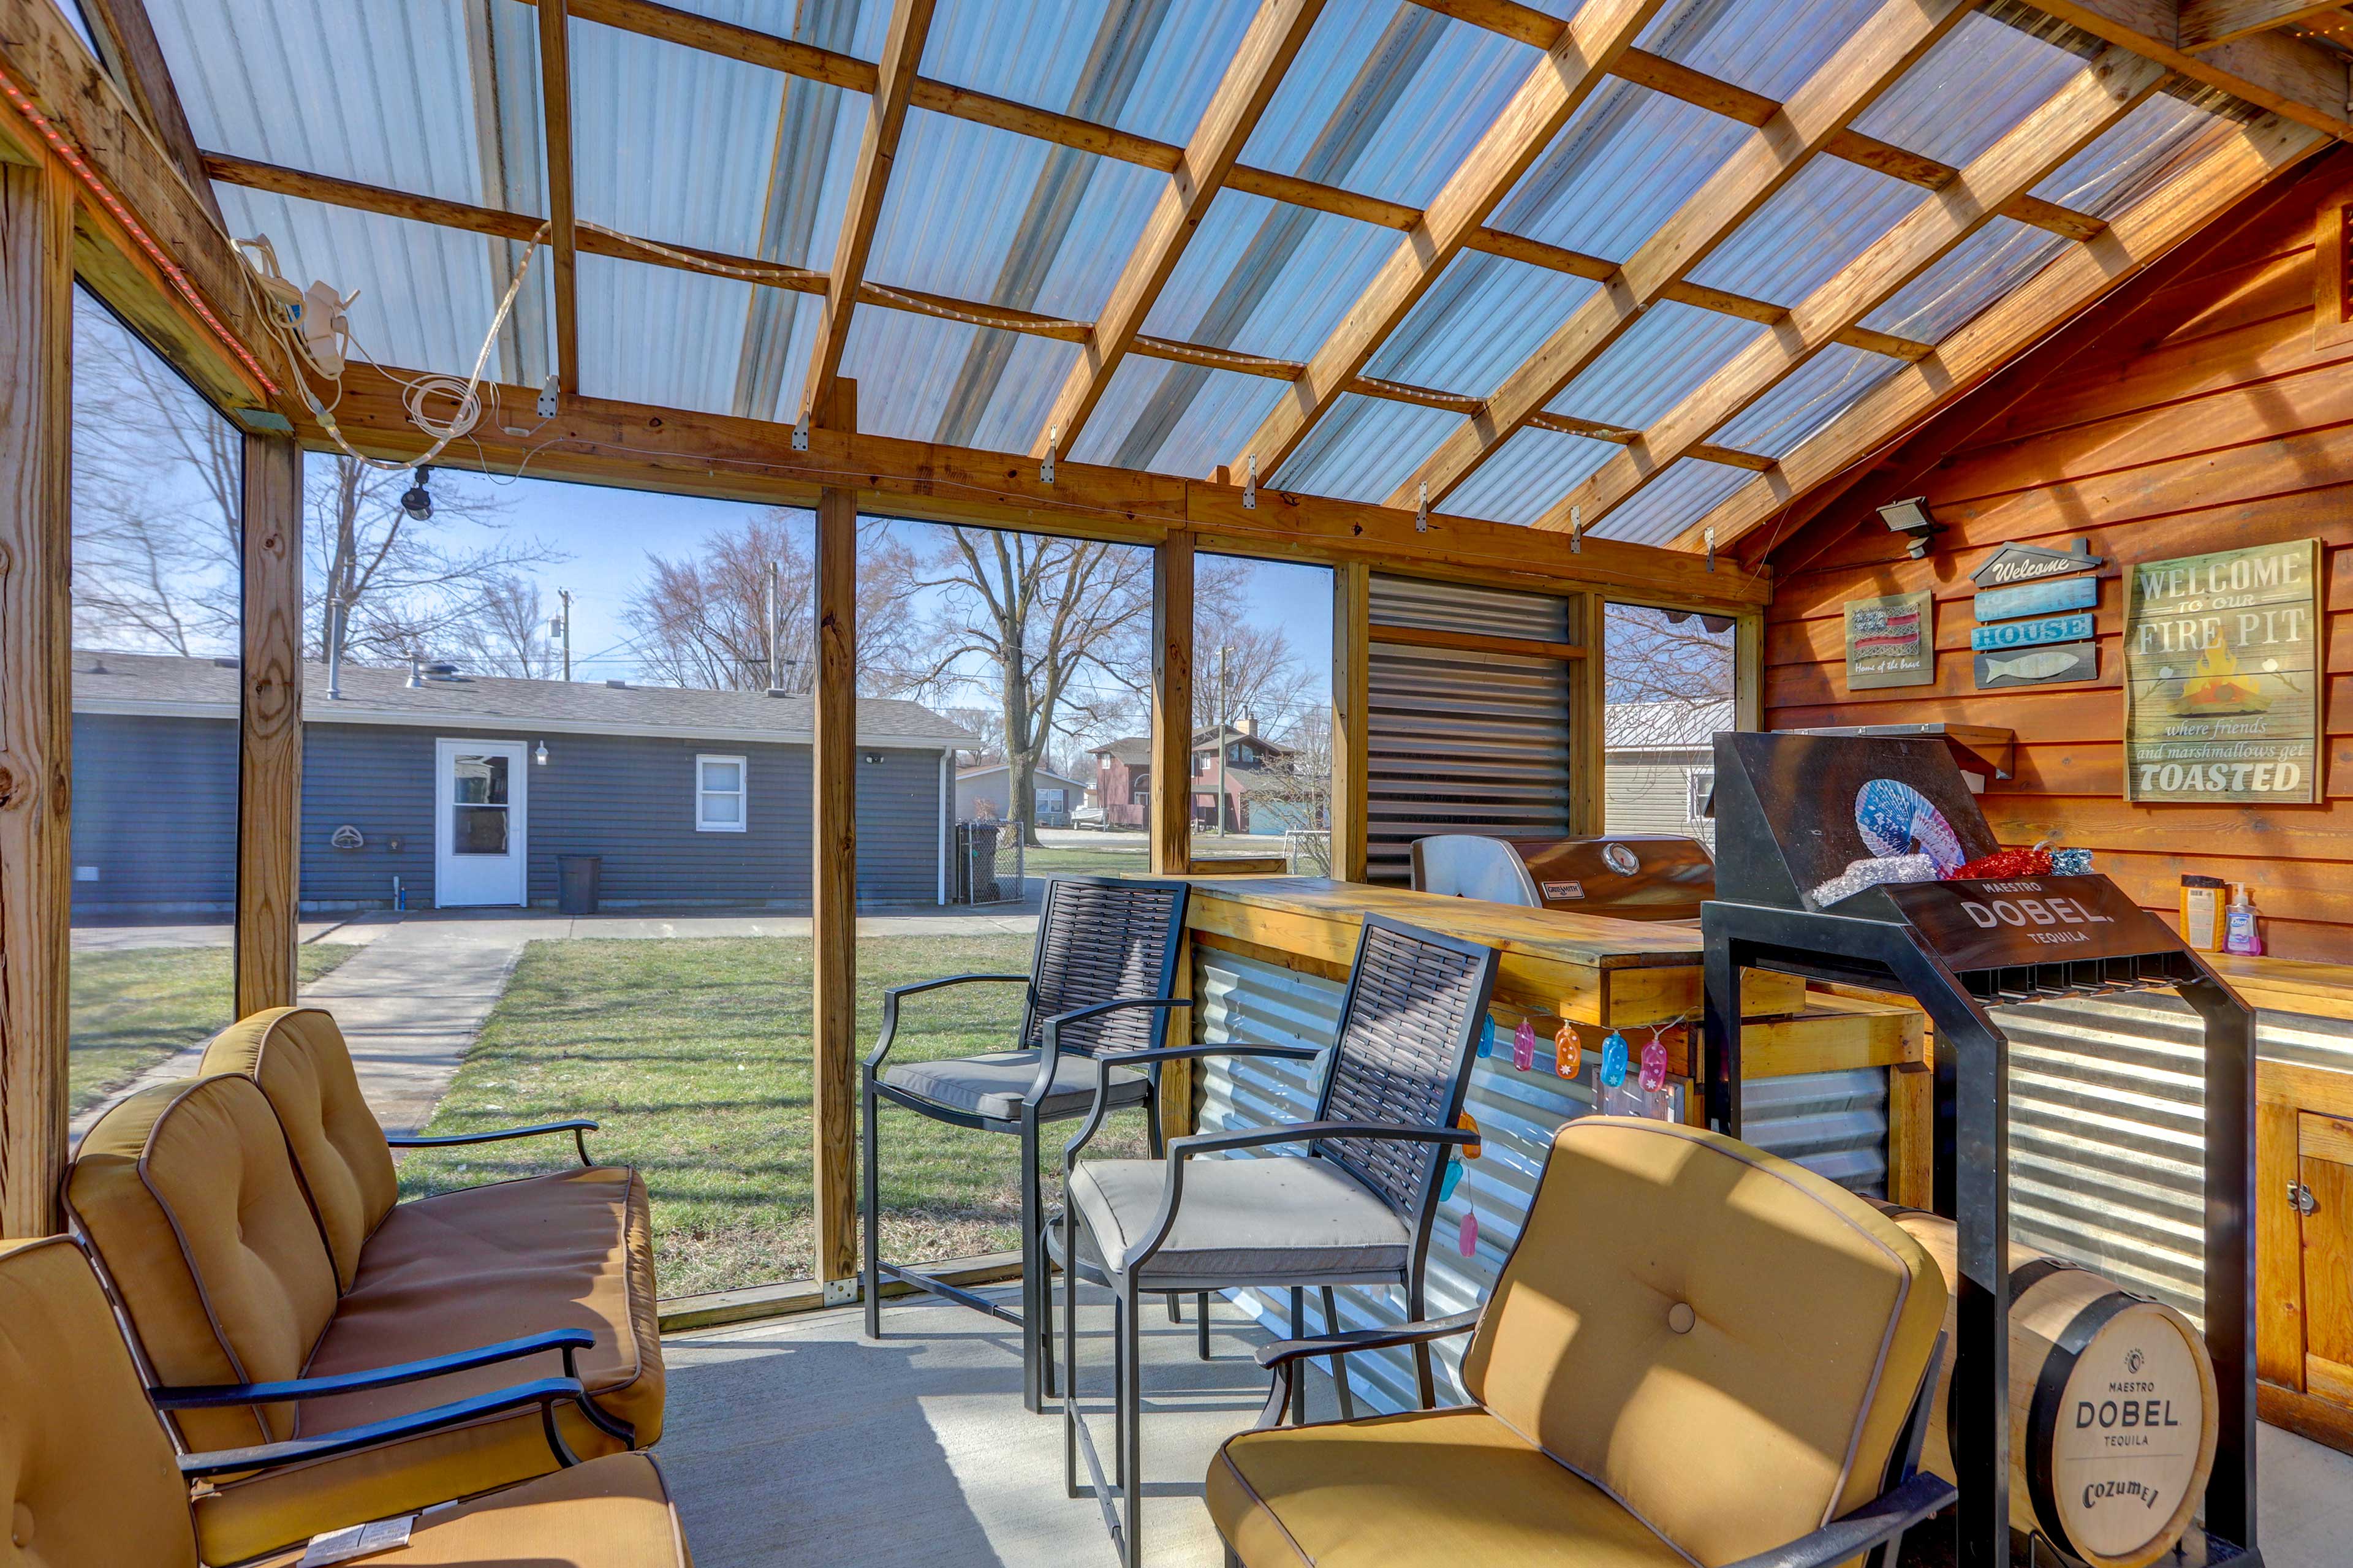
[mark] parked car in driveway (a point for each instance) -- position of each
(1090, 817)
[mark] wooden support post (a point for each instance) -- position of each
(269, 732)
(1749, 671)
(36, 208)
(1588, 743)
(1171, 821)
(833, 880)
(1351, 696)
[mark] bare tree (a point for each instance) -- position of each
(702, 619)
(1667, 669)
(507, 635)
(1056, 629)
(1245, 669)
(405, 585)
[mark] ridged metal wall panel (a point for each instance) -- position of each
(1459, 742)
(1833, 1122)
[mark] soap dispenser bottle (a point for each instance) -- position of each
(2240, 934)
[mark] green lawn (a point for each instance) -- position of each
(135, 1006)
(1087, 860)
(694, 1052)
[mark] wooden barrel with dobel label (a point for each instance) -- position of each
(2112, 1402)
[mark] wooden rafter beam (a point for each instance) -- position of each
(1570, 71)
(1267, 49)
(128, 35)
(1880, 51)
(2291, 77)
(2097, 96)
(886, 117)
(2252, 155)
(555, 99)
(2205, 23)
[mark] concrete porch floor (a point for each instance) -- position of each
(797, 1441)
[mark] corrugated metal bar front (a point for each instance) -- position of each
(1464, 742)
(2107, 1131)
(1833, 1122)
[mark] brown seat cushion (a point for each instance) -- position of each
(1450, 1488)
(568, 1250)
(86, 1472)
(298, 1057)
(612, 1512)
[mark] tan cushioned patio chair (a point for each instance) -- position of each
(1698, 1353)
(191, 1201)
(88, 1479)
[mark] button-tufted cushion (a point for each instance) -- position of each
(188, 1197)
(86, 1472)
(298, 1057)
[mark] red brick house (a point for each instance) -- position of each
(1123, 775)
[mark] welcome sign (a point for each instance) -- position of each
(2222, 672)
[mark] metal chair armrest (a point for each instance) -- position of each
(579, 1127)
(214, 1395)
(890, 999)
(1050, 1058)
(547, 1393)
(1882, 1518)
(1284, 1357)
(1305, 1131)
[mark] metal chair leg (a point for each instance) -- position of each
(1132, 1428)
(1298, 1332)
(869, 1202)
(1033, 1266)
(1070, 1357)
(1201, 1305)
(1425, 1384)
(1339, 1363)
(1119, 1390)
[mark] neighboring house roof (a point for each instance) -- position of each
(1135, 751)
(1041, 775)
(1663, 726)
(168, 686)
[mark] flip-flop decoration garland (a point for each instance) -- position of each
(1568, 1050)
(1524, 1046)
(1486, 1038)
(1466, 1239)
(1613, 1060)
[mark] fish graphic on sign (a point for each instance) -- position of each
(2038, 665)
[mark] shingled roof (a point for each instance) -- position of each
(170, 686)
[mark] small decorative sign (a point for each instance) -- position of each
(2039, 666)
(2038, 599)
(2014, 564)
(2222, 672)
(2030, 634)
(1891, 641)
(347, 838)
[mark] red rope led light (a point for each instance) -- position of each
(179, 279)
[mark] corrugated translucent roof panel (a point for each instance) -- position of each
(1145, 66)
(1268, 277)
(1655, 365)
(681, 143)
(1365, 447)
(377, 90)
(1176, 418)
(1978, 82)
(1530, 472)
(1979, 270)
(1483, 316)
(1803, 402)
(975, 213)
(2134, 155)
(426, 293)
(659, 335)
(1677, 499)
(1387, 100)
(1806, 233)
(916, 364)
(1755, 44)
(1622, 164)
(850, 27)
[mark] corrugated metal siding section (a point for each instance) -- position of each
(1833, 1122)
(2107, 1131)
(1464, 742)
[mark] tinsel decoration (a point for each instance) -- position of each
(1871, 873)
(2071, 862)
(2005, 863)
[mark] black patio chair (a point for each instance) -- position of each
(1097, 985)
(1355, 1208)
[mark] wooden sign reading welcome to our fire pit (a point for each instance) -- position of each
(2223, 675)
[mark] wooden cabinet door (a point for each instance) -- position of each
(2324, 1168)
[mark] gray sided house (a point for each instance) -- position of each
(453, 790)
(1661, 761)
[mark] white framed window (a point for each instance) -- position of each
(1700, 783)
(718, 795)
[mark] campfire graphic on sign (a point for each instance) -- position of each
(2215, 688)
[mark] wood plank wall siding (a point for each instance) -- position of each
(2199, 410)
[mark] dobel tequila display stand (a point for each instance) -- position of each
(1794, 813)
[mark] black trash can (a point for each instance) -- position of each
(577, 879)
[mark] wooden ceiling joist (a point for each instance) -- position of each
(2096, 97)
(2207, 23)
(127, 36)
(1883, 49)
(1267, 49)
(886, 117)
(2078, 279)
(2291, 77)
(555, 97)
(1562, 80)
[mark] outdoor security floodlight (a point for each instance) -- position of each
(1911, 518)
(540, 756)
(417, 500)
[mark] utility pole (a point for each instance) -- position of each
(565, 595)
(1222, 743)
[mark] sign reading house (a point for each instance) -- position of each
(2222, 673)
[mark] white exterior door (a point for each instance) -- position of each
(480, 834)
